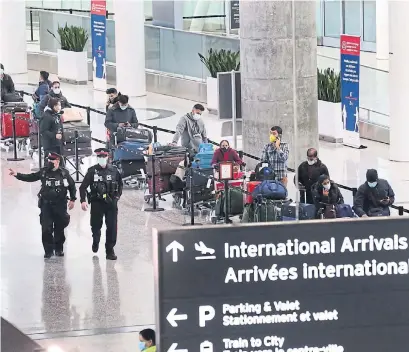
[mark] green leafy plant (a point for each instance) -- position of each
(72, 38)
(221, 61)
(329, 85)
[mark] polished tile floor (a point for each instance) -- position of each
(84, 303)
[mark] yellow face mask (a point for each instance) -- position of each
(272, 138)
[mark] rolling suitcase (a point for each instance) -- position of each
(134, 135)
(235, 203)
(130, 167)
(84, 132)
(84, 149)
(162, 184)
(130, 151)
(250, 187)
(306, 211)
(22, 120)
(265, 212)
(166, 164)
(34, 133)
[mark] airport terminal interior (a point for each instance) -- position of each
(84, 302)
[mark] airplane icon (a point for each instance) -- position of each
(206, 252)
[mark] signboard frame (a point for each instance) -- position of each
(355, 297)
(98, 38)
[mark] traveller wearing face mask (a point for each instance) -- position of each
(7, 84)
(55, 92)
(105, 183)
(325, 192)
(51, 127)
(147, 340)
(191, 130)
(309, 172)
(374, 197)
(56, 182)
(225, 153)
(276, 154)
(121, 115)
(112, 98)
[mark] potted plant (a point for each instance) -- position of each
(72, 57)
(330, 125)
(218, 61)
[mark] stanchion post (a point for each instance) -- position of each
(192, 201)
(154, 208)
(354, 192)
(185, 165)
(13, 121)
(31, 26)
(88, 116)
(400, 210)
(40, 160)
(77, 163)
(155, 134)
(226, 202)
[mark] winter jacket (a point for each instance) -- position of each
(51, 94)
(334, 195)
(229, 155)
(50, 126)
(116, 115)
(191, 133)
(42, 90)
(7, 85)
(368, 200)
(308, 175)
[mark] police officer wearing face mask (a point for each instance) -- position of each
(105, 183)
(309, 172)
(55, 92)
(120, 115)
(374, 197)
(52, 200)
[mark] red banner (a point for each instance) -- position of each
(350, 45)
(98, 7)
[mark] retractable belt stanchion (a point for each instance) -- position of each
(40, 160)
(192, 201)
(226, 201)
(13, 121)
(185, 165)
(88, 116)
(154, 207)
(77, 163)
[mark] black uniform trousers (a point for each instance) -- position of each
(99, 209)
(53, 219)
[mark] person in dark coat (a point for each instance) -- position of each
(44, 86)
(51, 127)
(55, 92)
(374, 197)
(309, 172)
(121, 115)
(113, 97)
(326, 193)
(7, 84)
(225, 153)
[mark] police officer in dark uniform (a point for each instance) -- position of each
(52, 200)
(105, 183)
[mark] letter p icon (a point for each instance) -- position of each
(206, 313)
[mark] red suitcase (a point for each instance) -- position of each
(250, 186)
(22, 125)
(162, 184)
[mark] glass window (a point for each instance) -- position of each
(332, 18)
(352, 17)
(369, 21)
(318, 14)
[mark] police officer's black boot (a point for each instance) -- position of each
(48, 255)
(95, 247)
(111, 255)
(59, 253)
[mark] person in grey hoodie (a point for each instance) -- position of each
(121, 115)
(191, 130)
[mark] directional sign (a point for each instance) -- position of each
(333, 286)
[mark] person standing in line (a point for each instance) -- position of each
(51, 127)
(276, 155)
(105, 183)
(56, 93)
(52, 200)
(112, 98)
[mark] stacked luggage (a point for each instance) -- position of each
(22, 120)
(203, 159)
(83, 140)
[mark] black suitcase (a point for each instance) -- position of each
(84, 149)
(130, 168)
(13, 97)
(170, 150)
(84, 132)
(134, 134)
(200, 179)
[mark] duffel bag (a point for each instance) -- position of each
(235, 203)
(13, 97)
(270, 189)
(305, 211)
(266, 212)
(344, 211)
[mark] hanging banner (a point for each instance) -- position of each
(350, 67)
(98, 37)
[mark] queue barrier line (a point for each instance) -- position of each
(155, 129)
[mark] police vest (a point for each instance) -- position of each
(54, 185)
(104, 184)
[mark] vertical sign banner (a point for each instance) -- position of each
(98, 37)
(350, 67)
(234, 14)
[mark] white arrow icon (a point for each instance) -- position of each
(173, 348)
(173, 317)
(174, 247)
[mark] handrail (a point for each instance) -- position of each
(354, 190)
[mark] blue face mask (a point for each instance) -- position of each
(123, 107)
(142, 345)
(372, 184)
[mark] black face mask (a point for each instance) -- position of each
(225, 149)
(50, 165)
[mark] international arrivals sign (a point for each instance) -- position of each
(333, 286)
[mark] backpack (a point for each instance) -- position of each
(344, 211)
(270, 189)
(263, 172)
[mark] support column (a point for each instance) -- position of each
(13, 52)
(266, 51)
(382, 29)
(399, 82)
(130, 47)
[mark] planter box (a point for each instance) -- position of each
(212, 95)
(330, 126)
(72, 66)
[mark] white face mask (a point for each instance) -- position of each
(102, 161)
(123, 107)
(311, 162)
(196, 116)
(56, 90)
(327, 187)
(1, 72)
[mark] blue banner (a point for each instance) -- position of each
(98, 37)
(350, 67)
